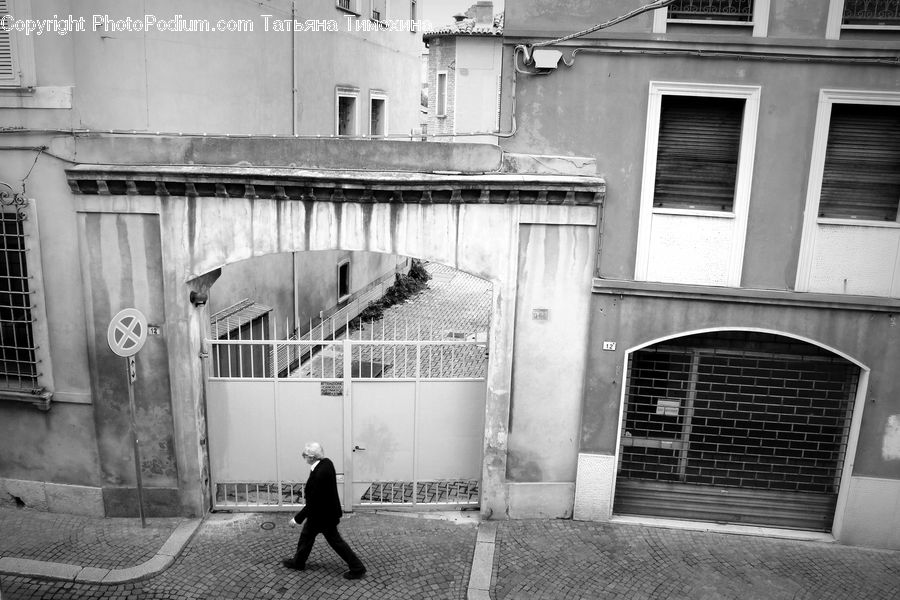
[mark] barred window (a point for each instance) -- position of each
(712, 10)
(18, 362)
(871, 12)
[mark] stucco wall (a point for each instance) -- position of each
(270, 280)
(552, 115)
(555, 266)
(167, 80)
(122, 268)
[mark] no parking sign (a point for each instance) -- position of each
(127, 332)
(126, 335)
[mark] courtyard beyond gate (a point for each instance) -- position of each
(399, 408)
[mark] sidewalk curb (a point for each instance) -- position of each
(482, 562)
(65, 572)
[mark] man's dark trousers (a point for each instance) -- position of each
(330, 533)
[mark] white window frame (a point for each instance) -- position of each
(22, 49)
(835, 22)
(352, 6)
(341, 264)
(438, 94)
(743, 181)
(379, 95)
(760, 22)
(811, 219)
(346, 92)
(383, 15)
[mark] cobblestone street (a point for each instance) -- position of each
(432, 555)
(566, 559)
(237, 556)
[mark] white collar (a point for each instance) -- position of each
(313, 466)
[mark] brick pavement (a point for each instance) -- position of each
(86, 541)
(235, 557)
(568, 559)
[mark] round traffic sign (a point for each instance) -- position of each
(127, 332)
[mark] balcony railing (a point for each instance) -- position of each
(712, 10)
(872, 12)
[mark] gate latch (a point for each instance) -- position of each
(358, 447)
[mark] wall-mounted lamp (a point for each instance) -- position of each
(545, 58)
(199, 298)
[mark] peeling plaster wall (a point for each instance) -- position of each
(122, 268)
(552, 306)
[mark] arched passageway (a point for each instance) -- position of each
(529, 234)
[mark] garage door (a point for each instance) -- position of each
(736, 428)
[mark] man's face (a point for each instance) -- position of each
(309, 458)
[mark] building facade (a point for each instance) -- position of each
(101, 75)
(464, 63)
(743, 331)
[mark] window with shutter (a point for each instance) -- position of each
(861, 178)
(697, 152)
(9, 72)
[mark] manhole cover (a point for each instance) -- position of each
(267, 525)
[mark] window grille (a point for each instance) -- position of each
(376, 15)
(18, 360)
(697, 153)
(712, 10)
(861, 177)
(344, 4)
(871, 12)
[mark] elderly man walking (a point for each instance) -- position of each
(322, 513)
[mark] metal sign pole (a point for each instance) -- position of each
(131, 372)
(126, 335)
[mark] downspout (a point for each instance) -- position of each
(294, 127)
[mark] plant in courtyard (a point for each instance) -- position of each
(404, 287)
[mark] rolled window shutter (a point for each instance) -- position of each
(861, 178)
(697, 152)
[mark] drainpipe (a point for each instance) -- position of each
(293, 69)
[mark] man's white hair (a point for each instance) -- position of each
(314, 449)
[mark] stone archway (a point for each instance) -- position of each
(210, 216)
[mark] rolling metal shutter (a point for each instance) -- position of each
(697, 152)
(861, 178)
(733, 436)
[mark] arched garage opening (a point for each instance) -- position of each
(742, 427)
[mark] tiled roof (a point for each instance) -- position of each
(468, 27)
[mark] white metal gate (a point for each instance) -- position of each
(401, 419)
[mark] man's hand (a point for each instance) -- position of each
(292, 522)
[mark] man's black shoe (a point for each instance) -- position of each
(354, 574)
(290, 564)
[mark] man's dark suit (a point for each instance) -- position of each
(322, 513)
